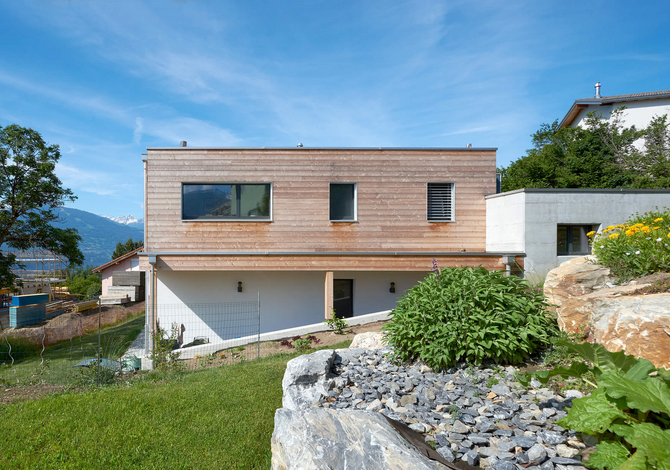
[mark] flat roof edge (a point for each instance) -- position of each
(579, 190)
(302, 149)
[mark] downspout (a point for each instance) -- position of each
(152, 303)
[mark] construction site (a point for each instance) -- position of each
(40, 292)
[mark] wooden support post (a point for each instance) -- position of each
(329, 295)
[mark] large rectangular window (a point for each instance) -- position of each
(342, 202)
(238, 201)
(572, 239)
(441, 202)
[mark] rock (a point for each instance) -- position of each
(460, 428)
(408, 400)
(573, 394)
(637, 324)
(318, 438)
(551, 437)
(376, 405)
(500, 389)
(471, 457)
(565, 461)
(575, 277)
(503, 465)
(306, 379)
(370, 340)
(447, 454)
(537, 454)
(420, 427)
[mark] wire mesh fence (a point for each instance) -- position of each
(210, 334)
(60, 350)
(67, 350)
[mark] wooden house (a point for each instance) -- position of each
(311, 229)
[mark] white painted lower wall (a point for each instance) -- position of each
(532, 216)
(288, 299)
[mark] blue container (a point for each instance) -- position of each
(30, 299)
(28, 315)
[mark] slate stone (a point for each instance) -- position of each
(447, 454)
(503, 465)
(461, 428)
(551, 437)
(472, 457)
(524, 442)
(537, 454)
(564, 461)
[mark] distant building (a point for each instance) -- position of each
(128, 262)
(641, 108)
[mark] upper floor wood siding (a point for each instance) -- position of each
(392, 198)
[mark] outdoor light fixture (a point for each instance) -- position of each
(239, 286)
(392, 289)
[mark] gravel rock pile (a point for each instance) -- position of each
(478, 415)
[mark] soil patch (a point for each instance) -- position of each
(269, 348)
(660, 282)
(15, 394)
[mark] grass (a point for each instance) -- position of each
(213, 418)
(59, 358)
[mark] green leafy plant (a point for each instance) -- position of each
(337, 324)
(469, 314)
(629, 411)
(163, 354)
(492, 381)
(638, 247)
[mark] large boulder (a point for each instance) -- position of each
(575, 277)
(612, 316)
(306, 379)
(319, 438)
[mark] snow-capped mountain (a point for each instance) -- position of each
(125, 220)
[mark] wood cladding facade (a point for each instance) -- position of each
(391, 206)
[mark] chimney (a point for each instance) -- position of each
(182, 143)
(469, 146)
(597, 89)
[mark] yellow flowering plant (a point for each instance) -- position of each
(636, 248)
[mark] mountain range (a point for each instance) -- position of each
(99, 234)
(128, 220)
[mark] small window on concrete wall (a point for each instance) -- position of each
(572, 239)
(342, 202)
(441, 202)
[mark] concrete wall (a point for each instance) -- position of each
(544, 210)
(505, 223)
(288, 299)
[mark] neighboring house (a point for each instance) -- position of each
(641, 108)
(128, 262)
(550, 225)
(311, 229)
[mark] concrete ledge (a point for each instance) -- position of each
(205, 349)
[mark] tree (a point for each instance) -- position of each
(123, 248)
(29, 192)
(602, 154)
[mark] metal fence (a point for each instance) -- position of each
(208, 334)
(68, 349)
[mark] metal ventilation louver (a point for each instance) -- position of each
(440, 201)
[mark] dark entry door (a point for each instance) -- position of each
(343, 297)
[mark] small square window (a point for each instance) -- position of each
(440, 202)
(342, 202)
(572, 239)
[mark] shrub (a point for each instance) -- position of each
(636, 248)
(163, 355)
(469, 314)
(629, 412)
(337, 324)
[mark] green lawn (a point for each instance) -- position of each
(60, 357)
(214, 418)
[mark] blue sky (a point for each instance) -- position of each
(106, 80)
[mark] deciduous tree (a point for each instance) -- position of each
(29, 192)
